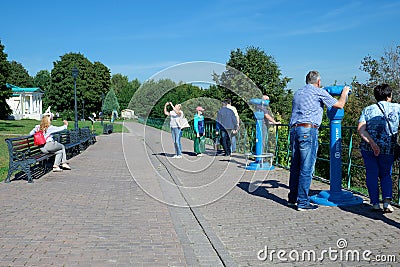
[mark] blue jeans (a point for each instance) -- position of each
(226, 140)
(304, 145)
(176, 138)
(379, 167)
(233, 143)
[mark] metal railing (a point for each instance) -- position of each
(278, 143)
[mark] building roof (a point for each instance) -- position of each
(19, 90)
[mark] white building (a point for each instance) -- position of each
(26, 103)
(128, 114)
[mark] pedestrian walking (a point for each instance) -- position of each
(226, 126)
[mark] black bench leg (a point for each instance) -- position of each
(27, 170)
(8, 180)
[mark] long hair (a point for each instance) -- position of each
(45, 123)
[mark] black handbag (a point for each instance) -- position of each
(396, 149)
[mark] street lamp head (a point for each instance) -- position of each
(75, 72)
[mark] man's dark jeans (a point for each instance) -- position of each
(226, 141)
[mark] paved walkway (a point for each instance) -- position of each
(128, 203)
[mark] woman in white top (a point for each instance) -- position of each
(51, 145)
(176, 113)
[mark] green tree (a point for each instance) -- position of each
(92, 81)
(181, 94)
(110, 103)
(260, 72)
(42, 80)
(100, 84)
(5, 92)
(386, 69)
(124, 89)
(149, 94)
(19, 76)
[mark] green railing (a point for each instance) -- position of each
(278, 140)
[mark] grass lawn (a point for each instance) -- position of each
(9, 129)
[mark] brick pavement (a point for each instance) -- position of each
(104, 213)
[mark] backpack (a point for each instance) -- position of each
(38, 138)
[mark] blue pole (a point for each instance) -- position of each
(259, 116)
(336, 196)
(259, 163)
(336, 149)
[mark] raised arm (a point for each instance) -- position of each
(166, 112)
(343, 98)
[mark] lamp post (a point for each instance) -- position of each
(83, 109)
(75, 73)
(102, 103)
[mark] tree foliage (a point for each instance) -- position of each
(92, 81)
(19, 76)
(124, 89)
(251, 74)
(42, 80)
(5, 92)
(386, 69)
(110, 103)
(148, 95)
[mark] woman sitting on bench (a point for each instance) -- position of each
(52, 146)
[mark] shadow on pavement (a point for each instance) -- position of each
(366, 211)
(262, 190)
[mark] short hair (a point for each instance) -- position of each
(228, 101)
(313, 77)
(382, 92)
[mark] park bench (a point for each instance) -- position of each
(85, 137)
(70, 140)
(23, 153)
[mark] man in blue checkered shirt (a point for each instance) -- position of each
(307, 110)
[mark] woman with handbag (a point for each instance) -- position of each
(377, 127)
(176, 115)
(52, 146)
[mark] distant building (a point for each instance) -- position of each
(127, 114)
(25, 103)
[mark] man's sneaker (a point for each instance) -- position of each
(376, 207)
(177, 157)
(200, 155)
(307, 207)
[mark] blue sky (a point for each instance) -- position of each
(141, 38)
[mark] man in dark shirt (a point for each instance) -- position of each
(226, 125)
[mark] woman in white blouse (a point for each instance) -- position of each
(52, 146)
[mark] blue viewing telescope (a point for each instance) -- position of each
(259, 102)
(336, 89)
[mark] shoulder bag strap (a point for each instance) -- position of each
(386, 118)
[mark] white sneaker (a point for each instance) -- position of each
(177, 157)
(200, 155)
(57, 169)
(387, 207)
